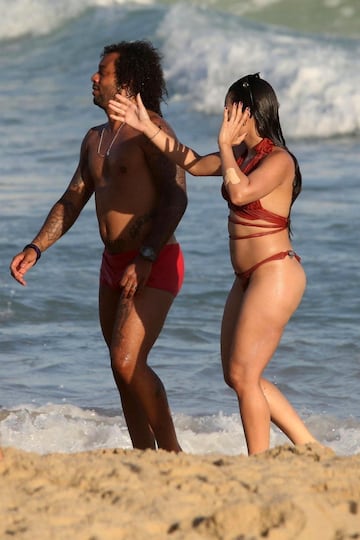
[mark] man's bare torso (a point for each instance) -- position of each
(125, 189)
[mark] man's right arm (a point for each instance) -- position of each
(60, 219)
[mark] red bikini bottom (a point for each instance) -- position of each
(245, 276)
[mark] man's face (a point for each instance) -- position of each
(104, 81)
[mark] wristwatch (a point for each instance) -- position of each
(148, 253)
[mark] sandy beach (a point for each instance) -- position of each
(287, 493)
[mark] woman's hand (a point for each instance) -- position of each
(233, 129)
(131, 113)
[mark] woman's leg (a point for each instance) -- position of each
(252, 327)
(239, 344)
(135, 326)
(284, 416)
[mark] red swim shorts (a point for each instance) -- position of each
(167, 271)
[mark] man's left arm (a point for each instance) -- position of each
(170, 184)
(172, 199)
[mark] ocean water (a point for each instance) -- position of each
(56, 387)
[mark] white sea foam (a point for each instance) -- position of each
(40, 17)
(315, 77)
(316, 80)
(67, 428)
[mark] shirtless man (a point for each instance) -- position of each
(140, 198)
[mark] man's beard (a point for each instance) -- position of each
(101, 102)
(98, 101)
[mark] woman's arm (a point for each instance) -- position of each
(276, 168)
(231, 127)
(135, 114)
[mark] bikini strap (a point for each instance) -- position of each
(262, 149)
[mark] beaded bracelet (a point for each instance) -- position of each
(36, 249)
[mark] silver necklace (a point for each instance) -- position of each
(107, 153)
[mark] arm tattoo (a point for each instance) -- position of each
(60, 218)
(135, 229)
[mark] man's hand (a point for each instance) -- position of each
(21, 263)
(135, 276)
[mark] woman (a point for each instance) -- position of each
(261, 180)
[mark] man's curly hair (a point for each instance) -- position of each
(138, 68)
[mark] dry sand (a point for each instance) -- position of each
(305, 493)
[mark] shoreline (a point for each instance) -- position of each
(287, 493)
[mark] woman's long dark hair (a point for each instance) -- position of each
(259, 96)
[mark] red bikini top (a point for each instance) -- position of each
(254, 210)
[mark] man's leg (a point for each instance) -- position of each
(136, 326)
(140, 432)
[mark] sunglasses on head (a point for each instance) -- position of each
(246, 84)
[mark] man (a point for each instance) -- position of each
(140, 198)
